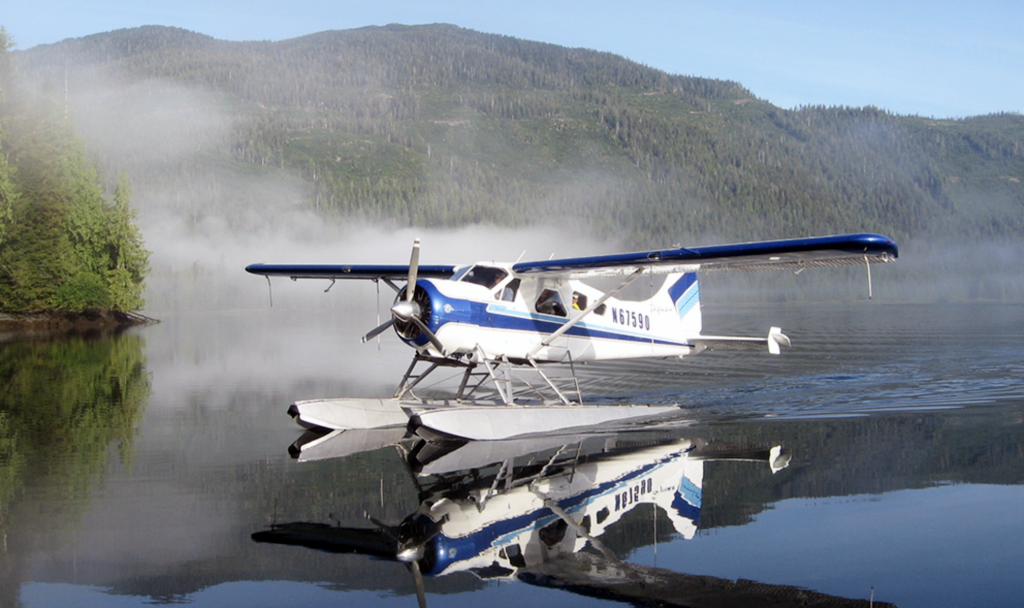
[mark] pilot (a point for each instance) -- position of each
(576, 301)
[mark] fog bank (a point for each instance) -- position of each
(205, 217)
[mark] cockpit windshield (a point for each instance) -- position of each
(488, 276)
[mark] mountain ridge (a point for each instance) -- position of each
(416, 125)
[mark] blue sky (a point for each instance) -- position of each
(938, 58)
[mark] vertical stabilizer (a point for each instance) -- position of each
(684, 292)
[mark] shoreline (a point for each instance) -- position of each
(65, 321)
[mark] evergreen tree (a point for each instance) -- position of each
(8, 191)
(129, 260)
(8, 194)
(62, 246)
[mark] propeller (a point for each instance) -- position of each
(410, 309)
(411, 540)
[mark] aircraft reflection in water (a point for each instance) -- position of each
(526, 509)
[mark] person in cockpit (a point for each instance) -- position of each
(550, 303)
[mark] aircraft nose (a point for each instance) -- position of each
(405, 310)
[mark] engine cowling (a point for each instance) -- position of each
(419, 306)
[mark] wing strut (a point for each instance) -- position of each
(868, 265)
(553, 506)
(594, 306)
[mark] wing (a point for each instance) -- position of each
(763, 255)
(348, 271)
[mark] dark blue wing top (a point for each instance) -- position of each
(763, 255)
(348, 271)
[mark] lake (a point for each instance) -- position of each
(880, 458)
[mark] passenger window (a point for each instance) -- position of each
(514, 554)
(550, 303)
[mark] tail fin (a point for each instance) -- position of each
(684, 292)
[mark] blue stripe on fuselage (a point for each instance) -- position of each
(503, 317)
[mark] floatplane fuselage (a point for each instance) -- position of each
(515, 319)
(500, 316)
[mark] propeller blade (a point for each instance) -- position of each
(430, 335)
(386, 529)
(414, 269)
(417, 577)
(409, 309)
(376, 331)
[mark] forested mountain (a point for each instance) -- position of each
(442, 126)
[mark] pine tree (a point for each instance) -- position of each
(62, 245)
(129, 260)
(8, 195)
(8, 191)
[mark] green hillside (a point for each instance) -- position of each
(442, 126)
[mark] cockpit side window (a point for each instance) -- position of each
(508, 293)
(488, 276)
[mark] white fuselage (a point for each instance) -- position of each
(516, 316)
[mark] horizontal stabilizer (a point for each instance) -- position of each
(774, 342)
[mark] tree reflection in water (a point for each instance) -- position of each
(63, 404)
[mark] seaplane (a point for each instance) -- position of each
(534, 509)
(502, 326)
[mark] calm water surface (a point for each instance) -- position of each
(135, 470)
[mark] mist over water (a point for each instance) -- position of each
(205, 219)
